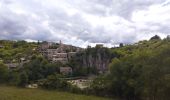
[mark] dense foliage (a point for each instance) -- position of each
(3, 72)
(142, 73)
(55, 82)
(39, 68)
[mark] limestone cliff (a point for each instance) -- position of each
(92, 60)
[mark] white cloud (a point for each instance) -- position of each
(84, 22)
(155, 13)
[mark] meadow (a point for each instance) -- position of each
(14, 93)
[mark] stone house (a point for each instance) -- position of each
(62, 53)
(16, 65)
(12, 65)
(99, 45)
(66, 70)
(1, 46)
(60, 57)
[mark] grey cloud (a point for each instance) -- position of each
(125, 8)
(10, 27)
(122, 8)
(39, 21)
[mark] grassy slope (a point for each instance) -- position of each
(13, 93)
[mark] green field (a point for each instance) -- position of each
(14, 93)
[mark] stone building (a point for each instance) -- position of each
(12, 65)
(45, 45)
(1, 46)
(63, 53)
(99, 45)
(18, 64)
(66, 70)
(60, 57)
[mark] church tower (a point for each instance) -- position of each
(61, 43)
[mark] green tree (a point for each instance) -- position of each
(156, 37)
(23, 79)
(3, 72)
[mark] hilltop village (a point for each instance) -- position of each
(55, 52)
(91, 60)
(59, 53)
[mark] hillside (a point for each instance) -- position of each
(141, 46)
(13, 93)
(142, 72)
(12, 51)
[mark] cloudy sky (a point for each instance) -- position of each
(84, 22)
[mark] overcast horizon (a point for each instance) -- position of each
(84, 22)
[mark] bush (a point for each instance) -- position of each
(55, 82)
(23, 79)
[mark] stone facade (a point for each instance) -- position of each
(65, 70)
(12, 65)
(60, 57)
(1, 46)
(63, 53)
(99, 45)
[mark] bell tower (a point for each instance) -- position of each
(60, 42)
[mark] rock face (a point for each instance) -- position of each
(98, 59)
(95, 59)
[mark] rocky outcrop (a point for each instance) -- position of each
(96, 59)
